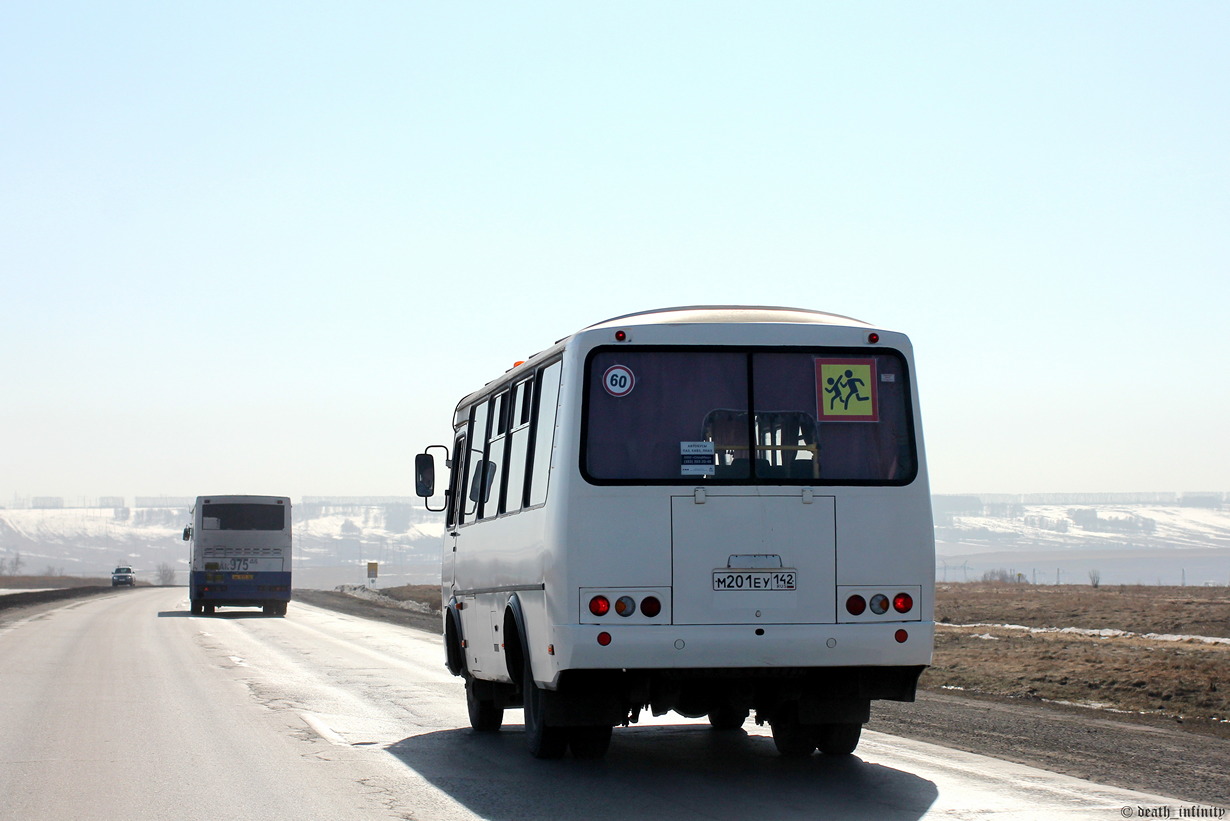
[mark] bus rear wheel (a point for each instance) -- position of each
(544, 741)
(197, 607)
(792, 739)
(838, 739)
(485, 716)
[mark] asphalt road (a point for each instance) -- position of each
(124, 705)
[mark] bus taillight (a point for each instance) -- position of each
(855, 605)
(625, 605)
(651, 607)
(599, 605)
(879, 604)
(902, 602)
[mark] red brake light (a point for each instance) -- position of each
(650, 606)
(903, 602)
(855, 605)
(599, 605)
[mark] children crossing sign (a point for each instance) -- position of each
(846, 390)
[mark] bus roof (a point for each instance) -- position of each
(728, 313)
(683, 315)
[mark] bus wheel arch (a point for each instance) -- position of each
(454, 656)
(516, 640)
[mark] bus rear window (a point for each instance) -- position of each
(782, 416)
(243, 517)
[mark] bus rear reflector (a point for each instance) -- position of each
(604, 638)
(901, 636)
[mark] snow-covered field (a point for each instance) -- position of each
(1121, 543)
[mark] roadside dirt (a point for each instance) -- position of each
(66, 588)
(366, 609)
(1186, 682)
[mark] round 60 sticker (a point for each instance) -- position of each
(618, 380)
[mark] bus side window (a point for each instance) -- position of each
(476, 461)
(518, 446)
(454, 481)
(545, 402)
(492, 479)
(483, 479)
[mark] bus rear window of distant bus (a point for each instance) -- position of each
(243, 517)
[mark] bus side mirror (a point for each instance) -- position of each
(425, 475)
(187, 533)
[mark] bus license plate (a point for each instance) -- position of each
(754, 580)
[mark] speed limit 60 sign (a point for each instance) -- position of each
(618, 380)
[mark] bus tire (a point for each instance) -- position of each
(727, 717)
(454, 659)
(792, 739)
(838, 739)
(209, 609)
(589, 742)
(485, 715)
(197, 607)
(543, 740)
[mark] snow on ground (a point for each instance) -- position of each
(1093, 526)
(1102, 633)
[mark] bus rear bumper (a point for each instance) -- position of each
(888, 644)
(261, 589)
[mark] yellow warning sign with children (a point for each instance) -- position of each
(846, 390)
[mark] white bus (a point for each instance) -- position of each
(240, 553)
(710, 510)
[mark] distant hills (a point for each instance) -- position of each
(1153, 538)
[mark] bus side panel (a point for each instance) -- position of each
(494, 560)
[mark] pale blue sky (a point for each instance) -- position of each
(265, 247)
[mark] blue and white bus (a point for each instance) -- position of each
(240, 553)
(716, 511)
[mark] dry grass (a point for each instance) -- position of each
(1184, 680)
(425, 593)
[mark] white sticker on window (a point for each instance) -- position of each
(618, 380)
(696, 459)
